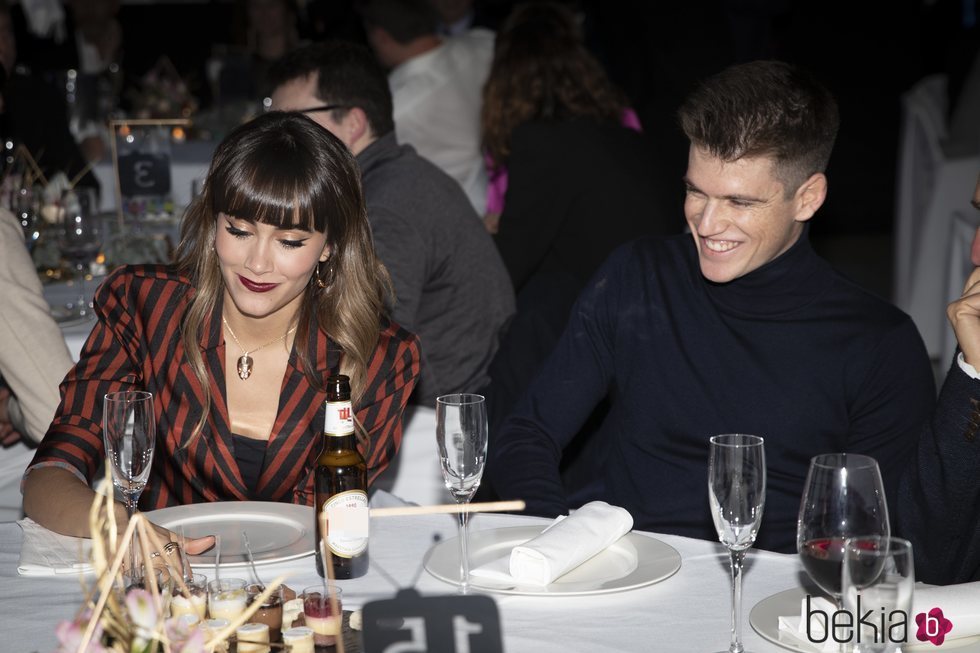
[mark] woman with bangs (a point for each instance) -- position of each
(276, 287)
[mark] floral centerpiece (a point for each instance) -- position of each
(134, 620)
(163, 93)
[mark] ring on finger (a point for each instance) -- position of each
(170, 547)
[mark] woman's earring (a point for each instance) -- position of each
(319, 281)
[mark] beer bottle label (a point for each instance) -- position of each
(343, 545)
(340, 419)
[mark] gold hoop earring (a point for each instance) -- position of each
(320, 282)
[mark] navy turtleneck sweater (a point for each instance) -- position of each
(792, 351)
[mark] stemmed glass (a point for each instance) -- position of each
(80, 241)
(737, 494)
(129, 434)
(843, 497)
(878, 571)
(461, 433)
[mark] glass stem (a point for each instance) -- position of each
(464, 559)
(736, 563)
(133, 543)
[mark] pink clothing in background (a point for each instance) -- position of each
(497, 175)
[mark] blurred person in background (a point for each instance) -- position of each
(33, 361)
(436, 85)
(939, 500)
(450, 286)
(271, 29)
(33, 113)
(579, 184)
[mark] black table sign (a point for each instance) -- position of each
(411, 623)
(144, 173)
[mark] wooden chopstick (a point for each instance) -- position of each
(487, 506)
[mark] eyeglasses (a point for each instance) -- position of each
(323, 107)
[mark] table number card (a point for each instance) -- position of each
(141, 156)
(411, 623)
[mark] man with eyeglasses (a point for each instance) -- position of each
(451, 287)
(939, 499)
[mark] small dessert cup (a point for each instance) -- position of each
(227, 598)
(323, 612)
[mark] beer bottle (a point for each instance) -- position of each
(340, 479)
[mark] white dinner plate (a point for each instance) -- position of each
(276, 531)
(632, 561)
(764, 619)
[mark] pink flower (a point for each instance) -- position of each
(184, 638)
(69, 634)
(933, 626)
(142, 612)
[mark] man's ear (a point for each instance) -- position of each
(810, 196)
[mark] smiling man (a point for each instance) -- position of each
(738, 327)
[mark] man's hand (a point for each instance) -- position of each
(8, 435)
(964, 313)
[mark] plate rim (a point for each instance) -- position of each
(796, 594)
(533, 530)
(276, 508)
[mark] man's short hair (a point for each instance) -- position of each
(404, 20)
(764, 109)
(347, 75)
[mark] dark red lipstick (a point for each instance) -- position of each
(256, 287)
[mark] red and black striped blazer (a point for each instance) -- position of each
(136, 345)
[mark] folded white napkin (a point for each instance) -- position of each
(795, 626)
(960, 604)
(46, 553)
(564, 545)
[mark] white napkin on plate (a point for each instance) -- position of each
(960, 605)
(46, 553)
(562, 546)
(795, 626)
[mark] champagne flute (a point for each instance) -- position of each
(843, 497)
(879, 572)
(737, 494)
(129, 434)
(80, 241)
(461, 433)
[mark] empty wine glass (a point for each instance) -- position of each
(843, 497)
(878, 574)
(80, 241)
(129, 434)
(737, 494)
(461, 433)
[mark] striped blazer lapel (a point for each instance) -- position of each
(295, 441)
(215, 444)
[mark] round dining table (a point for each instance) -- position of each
(686, 611)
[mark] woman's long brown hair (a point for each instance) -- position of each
(285, 170)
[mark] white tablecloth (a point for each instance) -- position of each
(687, 612)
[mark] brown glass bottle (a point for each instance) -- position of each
(341, 479)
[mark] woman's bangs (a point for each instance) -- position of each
(280, 200)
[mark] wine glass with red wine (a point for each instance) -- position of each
(843, 498)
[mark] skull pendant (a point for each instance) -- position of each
(244, 367)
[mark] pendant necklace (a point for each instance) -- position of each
(245, 362)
